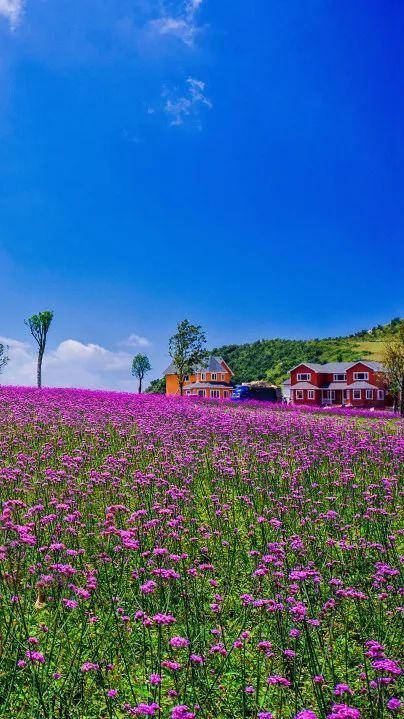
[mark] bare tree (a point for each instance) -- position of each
(140, 366)
(39, 326)
(393, 361)
(187, 350)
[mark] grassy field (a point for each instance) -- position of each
(196, 560)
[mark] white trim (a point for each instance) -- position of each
(213, 376)
(339, 374)
(186, 377)
(329, 394)
(380, 394)
(310, 394)
(215, 393)
(299, 394)
(225, 393)
(203, 376)
(304, 377)
(355, 392)
(201, 392)
(369, 394)
(365, 377)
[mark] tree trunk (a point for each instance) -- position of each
(140, 385)
(39, 370)
(181, 388)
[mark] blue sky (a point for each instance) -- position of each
(236, 163)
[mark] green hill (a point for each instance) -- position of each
(271, 359)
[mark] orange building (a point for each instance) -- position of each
(212, 380)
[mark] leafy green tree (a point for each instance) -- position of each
(187, 350)
(140, 366)
(4, 358)
(393, 361)
(39, 327)
(157, 386)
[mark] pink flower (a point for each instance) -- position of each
(155, 678)
(112, 693)
(275, 679)
(393, 704)
(343, 711)
(305, 714)
(178, 642)
(35, 657)
(181, 711)
(89, 666)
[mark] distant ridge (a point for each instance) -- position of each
(271, 359)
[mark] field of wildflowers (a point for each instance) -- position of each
(172, 558)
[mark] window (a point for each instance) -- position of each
(222, 377)
(361, 376)
(310, 394)
(357, 394)
(214, 377)
(380, 394)
(188, 391)
(346, 393)
(201, 392)
(304, 377)
(225, 393)
(329, 394)
(299, 394)
(203, 376)
(369, 394)
(340, 377)
(186, 378)
(215, 393)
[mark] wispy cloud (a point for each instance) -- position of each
(135, 341)
(180, 107)
(11, 10)
(182, 24)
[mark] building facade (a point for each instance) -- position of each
(351, 384)
(211, 380)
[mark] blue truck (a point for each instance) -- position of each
(256, 391)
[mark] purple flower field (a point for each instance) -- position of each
(168, 558)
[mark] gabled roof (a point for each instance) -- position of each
(304, 385)
(213, 364)
(337, 367)
(362, 385)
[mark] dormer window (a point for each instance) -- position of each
(303, 377)
(214, 377)
(203, 376)
(361, 376)
(340, 377)
(186, 378)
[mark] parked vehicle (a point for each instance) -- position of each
(260, 391)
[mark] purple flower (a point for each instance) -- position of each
(35, 656)
(393, 704)
(343, 711)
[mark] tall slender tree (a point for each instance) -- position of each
(4, 358)
(393, 361)
(39, 327)
(140, 366)
(187, 350)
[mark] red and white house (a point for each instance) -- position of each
(354, 384)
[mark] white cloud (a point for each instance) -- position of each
(182, 25)
(71, 364)
(12, 10)
(135, 341)
(179, 107)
